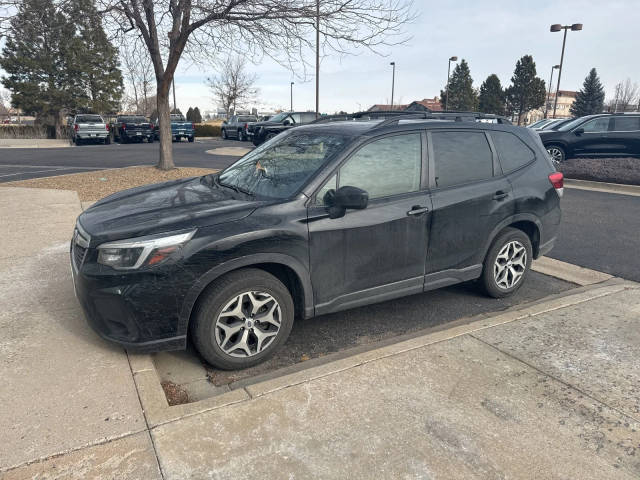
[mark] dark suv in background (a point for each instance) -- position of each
(604, 134)
(132, 128)
(260, 132)
(322, 218)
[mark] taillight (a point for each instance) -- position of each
(151, 126)
(107, 126)
(193, 127)
(124, 126)
(75, 127)
(557, 180)
(246, 126)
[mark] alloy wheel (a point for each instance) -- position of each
(557, 156)
(248, 324)
(510, 265)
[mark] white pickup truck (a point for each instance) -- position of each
(88, 127)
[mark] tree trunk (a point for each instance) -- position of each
(164, 123)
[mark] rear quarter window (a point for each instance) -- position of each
(513, 153)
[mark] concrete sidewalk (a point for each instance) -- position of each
(33, 143)
(546, 390)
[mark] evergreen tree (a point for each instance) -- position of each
(95, 60)
(527, 91)
(36, 61)
(60, 60)
(197, 116)
(491, 98)
(190, 115)
(590, 99)
(462, 96)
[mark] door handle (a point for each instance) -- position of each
(417, 210)
(500, 194)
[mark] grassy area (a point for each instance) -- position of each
(93, 186)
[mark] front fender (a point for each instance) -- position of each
(234, 264)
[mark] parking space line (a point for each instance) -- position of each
(48, 170)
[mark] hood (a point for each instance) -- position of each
(544, 134)
(266, 123)
(164, 207)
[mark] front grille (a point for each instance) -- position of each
(78, 254)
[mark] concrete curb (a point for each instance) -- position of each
(158, 412)
(568, 272)
(618, 188)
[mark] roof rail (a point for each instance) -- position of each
(451, 116)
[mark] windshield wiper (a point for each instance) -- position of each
(234, 187)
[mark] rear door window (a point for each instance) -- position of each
(461, 157)
(512, 152)
(626, 124)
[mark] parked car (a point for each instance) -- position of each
(323, 218)
(540, 123)
(180, 128)
(133, 128)
(89, 128)
(557, 123)
(603, 134)
(260, 132)
(237, 126)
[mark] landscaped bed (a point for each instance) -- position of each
(613, 170)
(93, 186)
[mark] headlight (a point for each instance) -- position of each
(133, 253)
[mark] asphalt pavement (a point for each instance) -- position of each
(24, 163)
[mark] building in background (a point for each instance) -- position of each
(563, 110)
(424, 105)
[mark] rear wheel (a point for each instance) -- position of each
(556, 153)
(507, 264)
(107, 140)
(270, 135)
(242, 319)
(78, 142)
(191, 139)
(224, 134)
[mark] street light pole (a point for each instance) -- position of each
(556, 28)
(317, 58)
(393, 81)
(292, 96)
(546, 106)
(446, 100)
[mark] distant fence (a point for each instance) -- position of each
(31, 131)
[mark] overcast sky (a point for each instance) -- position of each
(490, 35)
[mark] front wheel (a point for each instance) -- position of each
(507, 263)
(242, 319)
(191, 139)
(556, 153)
(107, 140)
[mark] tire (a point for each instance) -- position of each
(150, 139)
(78, 142)
(495, 281)
(208, 338)
(191, 139)
(270, 136)
(241, 137)
(107, 140)
(224, 134)
(557, 154)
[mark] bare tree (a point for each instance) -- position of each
(281, 29)
(626, 93)
(5, 103)
(233, 86)
(138, 74)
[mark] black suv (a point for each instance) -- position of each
(604, 134)
(320, 219)
(260, 132)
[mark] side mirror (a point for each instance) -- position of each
(340, 200)
(224, 122)
(579, 131)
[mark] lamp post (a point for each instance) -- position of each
(317, 58)
(446, 101)
(546, 106)
(292, 96)
(556, 27)
(393, 81)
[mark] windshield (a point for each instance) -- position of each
(281, 166)
(572, 124)
(279, 117)
(89, 119)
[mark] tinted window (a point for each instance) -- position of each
(246, 119)
(89, 119)
(626, 124)
(596, 125)
(512, 152)
(384, 167)
(461, 157)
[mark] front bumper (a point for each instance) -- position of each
(137, 314)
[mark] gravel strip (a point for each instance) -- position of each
(93, 186)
